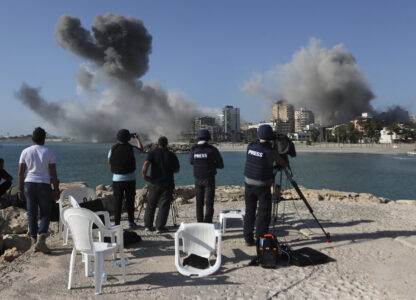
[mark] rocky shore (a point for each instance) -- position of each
(373, 250)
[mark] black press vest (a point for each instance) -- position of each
(258, 166)
(203, 160)
(122, 159)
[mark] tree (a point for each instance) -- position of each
(340, 133)
(314, 133)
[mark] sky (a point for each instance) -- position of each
(207, 51)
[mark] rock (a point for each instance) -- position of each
(407, 202)
(10, 255)
(101, 187)
(13, 220)
(1, 242)
(21, 242)
(64, 186)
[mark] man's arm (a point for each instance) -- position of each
(54, 179)
(219, 163)
(21, 180)
(139, 143)
(144, 171)
(176, 166)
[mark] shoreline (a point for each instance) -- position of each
(400, 149)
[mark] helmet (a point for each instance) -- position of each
(123, 135)
(203, 134)
(265, 132)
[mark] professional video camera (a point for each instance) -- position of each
(284, 146)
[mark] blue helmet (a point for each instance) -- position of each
(203, 134)
(265, 132)
(123, 135)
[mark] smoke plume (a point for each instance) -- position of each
(116, 53)
(327, 81)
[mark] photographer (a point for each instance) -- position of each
(258, 179)
(123, 166)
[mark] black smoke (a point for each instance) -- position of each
(116, 53)
(327, 81)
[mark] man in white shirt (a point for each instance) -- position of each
(40, 164)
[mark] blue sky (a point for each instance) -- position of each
(207, 50)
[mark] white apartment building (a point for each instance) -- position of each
(303, 117)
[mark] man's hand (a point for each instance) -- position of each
(21, 196)
(56, 195)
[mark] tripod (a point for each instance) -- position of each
(173, 209)
(277, 197)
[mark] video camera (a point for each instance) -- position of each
(284, 145)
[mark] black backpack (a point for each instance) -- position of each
(267, 250)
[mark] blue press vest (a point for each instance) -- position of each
(258, 166)
(203, 161)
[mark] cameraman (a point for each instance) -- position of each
(123, 166)
(258, 179)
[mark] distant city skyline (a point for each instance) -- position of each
(207, 55)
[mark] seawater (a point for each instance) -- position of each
(390, 176)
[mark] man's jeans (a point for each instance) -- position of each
(38, 195)
(205, 193)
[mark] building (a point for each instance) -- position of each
(206, 123)
(387, 136)
(231, 125)
(284, 117)
(303, 117)
(412, 119)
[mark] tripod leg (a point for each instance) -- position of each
(295, 185)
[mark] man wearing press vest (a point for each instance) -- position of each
(206, 159)
(258, 179)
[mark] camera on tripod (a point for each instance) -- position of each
(284, 145)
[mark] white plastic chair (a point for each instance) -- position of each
(230, 214)
(199, 239)
(81, 194)
(80, 221)
(74, 203)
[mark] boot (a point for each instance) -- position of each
(41, 244)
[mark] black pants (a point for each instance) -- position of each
(158, 195)
(205, 191)
(5, 186)
(263, 195)
(121, 190)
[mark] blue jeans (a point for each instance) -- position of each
(205, 192)
(38, 195)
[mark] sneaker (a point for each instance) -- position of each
(133, 226)
(162, 230)
(250, 242)
(149, 229)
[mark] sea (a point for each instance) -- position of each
(389, 176)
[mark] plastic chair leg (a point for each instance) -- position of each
(123, 264)
(98, 272)
(66, 232)
(71, 267)
(86, 260)
(113, 240)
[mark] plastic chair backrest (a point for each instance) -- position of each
(74, 202)
(79, 221)
(199, 239)
(80, 193)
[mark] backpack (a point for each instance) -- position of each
(267, 250)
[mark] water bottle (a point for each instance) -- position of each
(118, 263)
(104, 277)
